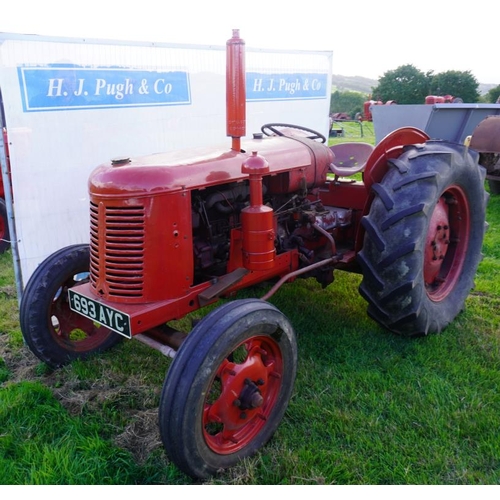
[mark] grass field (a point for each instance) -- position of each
(353, 131)
(368, 407)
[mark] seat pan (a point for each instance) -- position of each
(350, 158)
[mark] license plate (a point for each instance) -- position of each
(107, 316)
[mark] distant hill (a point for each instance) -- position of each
(365, 85)
(353, 83)
(485, 87)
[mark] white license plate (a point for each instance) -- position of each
(107, 316)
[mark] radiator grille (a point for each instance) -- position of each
(119, 258)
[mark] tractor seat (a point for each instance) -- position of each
(350, 158)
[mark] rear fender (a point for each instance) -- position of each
(390, 147)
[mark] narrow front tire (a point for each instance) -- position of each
(53, 332)
(228, 387)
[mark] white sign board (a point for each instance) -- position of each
(72, 104)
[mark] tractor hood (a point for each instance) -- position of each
(204, 167)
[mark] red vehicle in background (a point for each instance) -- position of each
(440, 99)
(4, 222)
(367, 114)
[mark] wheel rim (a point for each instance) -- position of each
(242, 395)
(446, 244)
(71, 330)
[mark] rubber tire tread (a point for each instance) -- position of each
(36, 301)
(210, 341)
(392, 257)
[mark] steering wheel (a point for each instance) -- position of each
(271, 127)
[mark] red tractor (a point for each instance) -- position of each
(171, 233)
(367, 113)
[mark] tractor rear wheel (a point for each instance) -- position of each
(423, 238)
(4, 227)
(52, 331)
(228, 387)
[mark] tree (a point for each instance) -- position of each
(347, 102)
(405, 85)
(493, 94)
(461, 84)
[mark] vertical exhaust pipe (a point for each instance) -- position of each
(257, 220)
(235, 90)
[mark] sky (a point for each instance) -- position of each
(367, 38)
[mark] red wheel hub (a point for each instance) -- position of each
(242, 395)
(71, 330)
(446, 243)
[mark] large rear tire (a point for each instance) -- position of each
(423, 238)
(52, 331)
(228, 387)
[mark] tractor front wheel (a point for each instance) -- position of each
(52, 331)
(228, 387)
(423, 238)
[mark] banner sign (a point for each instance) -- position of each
(285, 86)
(69, 87)
(71, 105)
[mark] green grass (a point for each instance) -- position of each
(368, 407)
(44, 444)
(354, 132)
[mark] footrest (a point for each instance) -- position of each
(222, 285)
